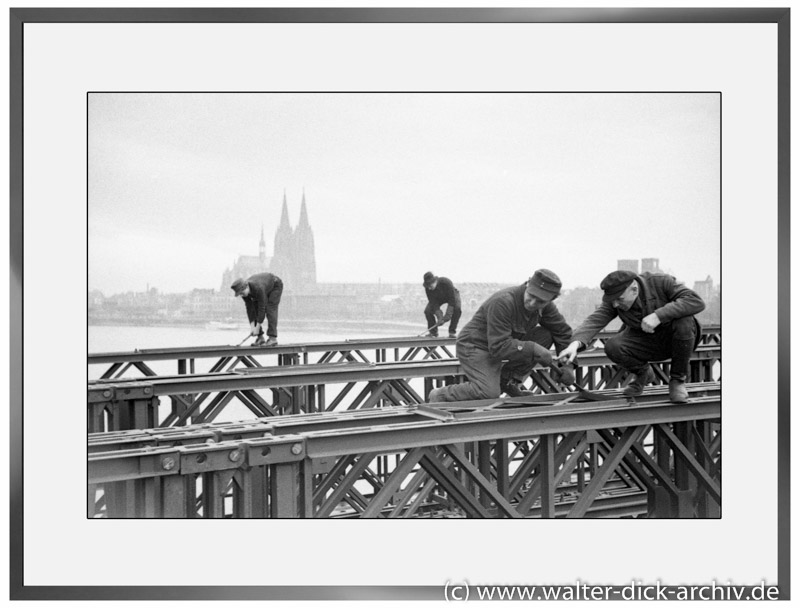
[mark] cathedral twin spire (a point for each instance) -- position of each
(294, 257)
(303, 224)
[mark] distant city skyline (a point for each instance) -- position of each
(477, 187)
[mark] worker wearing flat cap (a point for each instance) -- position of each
(509, 334)
(658, 324)
(262, 295)
(440, 290)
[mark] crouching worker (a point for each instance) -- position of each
(509, 334)
(262, 295)
(657, 313)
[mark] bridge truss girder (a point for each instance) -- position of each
(653, 459)
(333, 387)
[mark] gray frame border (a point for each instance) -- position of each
(18, 17)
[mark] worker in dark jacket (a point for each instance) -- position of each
(510, 333)
(440, 290)
(262, 295)
(657, 313)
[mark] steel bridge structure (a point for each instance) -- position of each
(541, 456)
(331, 431)
(211, 359)
(342, 378)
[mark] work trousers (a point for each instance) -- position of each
(273, 300)
(484, 372)
(430, 316)
(632, 349)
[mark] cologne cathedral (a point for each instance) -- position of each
(293, 258)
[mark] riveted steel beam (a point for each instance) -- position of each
(258, 469)
(515, 425)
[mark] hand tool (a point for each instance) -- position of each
(560, 372)
(427, 330)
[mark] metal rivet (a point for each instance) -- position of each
(265, 452)
(147, 390)
(202, 458)
(106, 393)
(297, 448)
(233, 456)
(168, 464)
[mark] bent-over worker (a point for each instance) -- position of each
(262, 295)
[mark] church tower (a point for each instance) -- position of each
(293, 257)
(262, 246)
(282, 253)
(304, 259)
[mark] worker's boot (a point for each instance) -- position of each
(679, 367)
(642, 379)
(436, 395)
(513, 388)
(273, 341)
(677, 391)
(259, 341)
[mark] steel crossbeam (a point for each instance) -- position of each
(129, 403)
(226, 357)
(202, 397)
(340, 464)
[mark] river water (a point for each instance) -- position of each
(118, 338)
(112, 339)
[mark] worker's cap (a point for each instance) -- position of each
(429, 279)
(544, 285)
(615, 283)
(238, 286)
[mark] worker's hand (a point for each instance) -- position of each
(650, 322)
(255, 329)
(439, 316)
(448, 314)
(569, 353)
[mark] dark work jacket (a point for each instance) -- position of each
(658, 293)
(260, 287)
(503, 327)
(445, 293)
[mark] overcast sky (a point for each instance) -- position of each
(477, 187)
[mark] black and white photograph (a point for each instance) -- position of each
(352, 304)
(347, 288)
